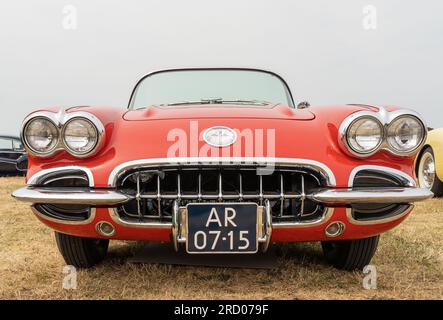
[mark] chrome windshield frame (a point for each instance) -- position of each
(285, 84)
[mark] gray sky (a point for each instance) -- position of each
(320, 47)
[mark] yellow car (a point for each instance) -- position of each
(429, 163)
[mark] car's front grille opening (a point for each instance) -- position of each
(155, 190)
(373, 212)
(64, 178)
(65, 212)
(379, 179)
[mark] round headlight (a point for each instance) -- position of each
(41, 135)
(364, 135)
(405, 134)
(80, 136)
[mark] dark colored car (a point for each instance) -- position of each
(13, 157)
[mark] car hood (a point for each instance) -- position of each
(206, 111)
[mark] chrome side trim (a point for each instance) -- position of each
(45, 217)
(376, 221)
(95, 197)
(385, 118)
(147, 225)
(39, 175)
(290, 225)
(370, 195)
(408, 180)
(202, 161)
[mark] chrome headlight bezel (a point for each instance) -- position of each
(60, 119)
(351, 142)
(69, 148)
(28, 145)
(385, 118)
(420, 141)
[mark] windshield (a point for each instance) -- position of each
(213, 86)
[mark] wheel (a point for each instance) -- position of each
(350, 254)
(81, 252)
(426, 173)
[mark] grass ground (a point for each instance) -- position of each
(409, 264)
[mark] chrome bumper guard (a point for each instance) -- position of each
(329, 197)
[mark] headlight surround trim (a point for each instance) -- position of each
(28, 146)
(69, 148)
(60, 119)
(421, 139)
(351, 145)
(386, 118)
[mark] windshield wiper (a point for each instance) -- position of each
(218, 101)
(241, 101)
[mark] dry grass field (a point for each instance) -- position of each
(409, 263)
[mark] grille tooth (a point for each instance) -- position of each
(156, 189)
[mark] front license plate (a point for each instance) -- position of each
(222, 228)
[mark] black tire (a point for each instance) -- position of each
(81, 252)
(350, 254)
(437, 185)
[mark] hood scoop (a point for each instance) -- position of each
(208, 111)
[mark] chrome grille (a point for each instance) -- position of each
(155, 189)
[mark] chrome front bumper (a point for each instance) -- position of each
(329, 197)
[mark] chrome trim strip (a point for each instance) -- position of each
(45, 217)
(376, 221)
(370, 195)
(409, 181)
(312, 223)
(95, 197)
(33, 180)
(385, 118)
(148, 225)
(202, 161)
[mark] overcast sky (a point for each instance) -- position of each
(324, 49)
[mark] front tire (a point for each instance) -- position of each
(350, 254)
(427, 177)
(81, 252)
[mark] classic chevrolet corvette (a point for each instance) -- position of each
(222, 161)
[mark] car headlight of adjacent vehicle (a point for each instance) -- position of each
(405, 134)
(80, 136)
(364, 135)
(41, 136)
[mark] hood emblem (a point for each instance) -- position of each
(219, 136)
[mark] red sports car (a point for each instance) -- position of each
(222, 161)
